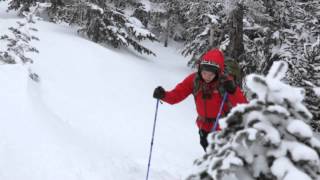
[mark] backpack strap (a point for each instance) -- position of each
(222, 91)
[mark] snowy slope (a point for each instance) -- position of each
(91, 115)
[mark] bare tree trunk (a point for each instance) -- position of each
(266, 65)
(166, 36)
(215, 36)
(235, 48)
(211, 37)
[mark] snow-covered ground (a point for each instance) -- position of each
(91, 115)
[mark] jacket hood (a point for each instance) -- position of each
(214, 56)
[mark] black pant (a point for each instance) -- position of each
(203, 139)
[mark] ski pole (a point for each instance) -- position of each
(220, 112)
(152, 138)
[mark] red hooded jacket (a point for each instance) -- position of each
(206, 108)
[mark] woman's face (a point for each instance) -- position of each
(207, 76)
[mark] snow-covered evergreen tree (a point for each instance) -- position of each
(16, 44)
(220, 24)
(166, 19)
(204, 28)
(26, 5)
(266, 138)
(103, 23)
(100, 21)
(295, 41)
(312, 82)
(141, 12)
(156, 18)
(172, 20)
(22, 5)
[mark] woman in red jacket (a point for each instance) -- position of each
(207, 86)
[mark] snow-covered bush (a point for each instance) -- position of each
(266, 138)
